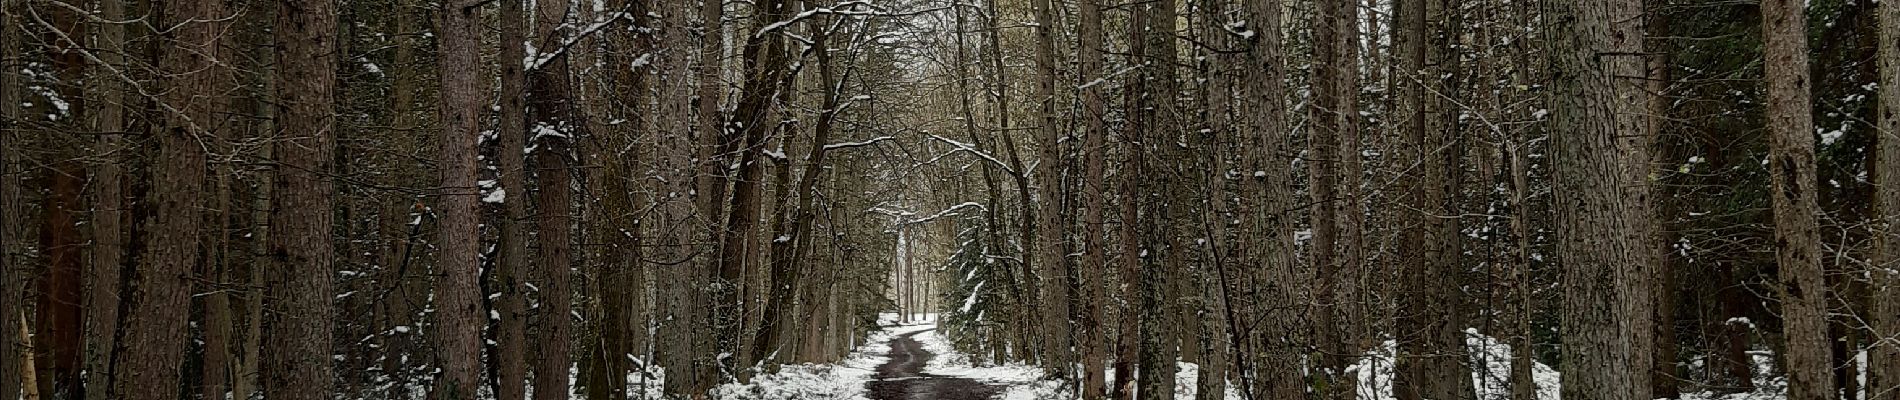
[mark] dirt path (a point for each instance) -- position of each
(903, 379)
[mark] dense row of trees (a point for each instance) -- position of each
(402, 199)
(393, 199)
(1650, 194)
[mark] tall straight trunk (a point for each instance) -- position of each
(1089, 342)
(1883, 367)
(616, 201)
(550, 100)
(1221, 251)
(711, 304)
(1523, 387)
(59, 337)
(297, 331)
(711, 155)
(1665, 374)
(1049, 259)
(217, 334)
(108, 205)
(1161, 249)
(12, 267)
(1432, 363)
(1334, 23)
(1602, 236)
(1791, 168)
(156, 327)
(1268, 354)
(1129, 266)
(457, 292)
(510, 358)
(1353, 325)
(680, 317)
(57, 334)
(245, 382)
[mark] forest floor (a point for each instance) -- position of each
(904, 361)
(902, 378)
(915, 361)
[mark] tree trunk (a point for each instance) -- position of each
(1128, 343)
(1883, 377)
(1050, 263)
(766, 64)
(245, 382)
(680, 315)
(12, 252)
(1665, 373)
(785, 254)
(1269, 347)
(510, 358)
(1601, 233)
(1791, 167)
(108, 207)
(156, 334)
(1523, 356)
(300, 317)
(1335, 71)
(216, 364)
(1160, 249)
(1431, 362)
(1089, 342)
(457, 291)
(550, 101)
(57, 337)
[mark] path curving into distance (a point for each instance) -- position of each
(902, 378)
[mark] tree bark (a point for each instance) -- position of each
(108, 207)
(1049, 260)
(766, 64)
(299, 320)
(680, 316)
(510, 356)
(59, 334)
(550, 101)
(457, 291)
(1089, 342)
(1791, 167)
(1160, 251)
(1601, 233)
(1269, 347)
(12, 253)
(156, 327)
(1432, 362)
(1883, 381)
(1665, 373)
(1334, 93)
(57, 338)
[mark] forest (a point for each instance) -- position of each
(950, 199)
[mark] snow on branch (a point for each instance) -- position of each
(836, 146)
(961, 146)
(947, 212)
(536, 59)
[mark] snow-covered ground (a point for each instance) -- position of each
(846, 380)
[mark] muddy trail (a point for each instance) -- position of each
(902, 378)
